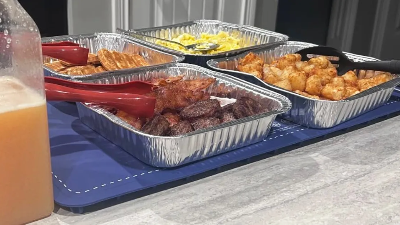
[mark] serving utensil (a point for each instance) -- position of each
(66, 51)
(134, 104)
(345, 64)
(132, 87)
(202, 47)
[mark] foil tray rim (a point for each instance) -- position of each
(284, 38)
(284, 102)
(177, 57)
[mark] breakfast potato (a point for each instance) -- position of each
(331, 72)
(314, 85)
(287, 71)
(298, 80)
(253, 69)
(333, 92)
(267, 69)
(285, 84)
(286, 60)
(271, 78)
(338, 82)
(364, 84)
(320, 62)
(307, 95)
(381, 78)
(304, 66)
(350, 79)
(350, 91)
(252, 64)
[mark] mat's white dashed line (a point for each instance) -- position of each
(281, 135)
(149, 172)
(103, 185)
(284, 128)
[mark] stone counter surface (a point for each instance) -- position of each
(349, 179)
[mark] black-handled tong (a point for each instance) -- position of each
(345, 64)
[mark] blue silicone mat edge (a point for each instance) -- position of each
(88, 169)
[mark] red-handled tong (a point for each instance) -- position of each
(66, 51)
(128, 97)
(138, 105)
(132, 87)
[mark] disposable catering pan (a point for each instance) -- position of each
(163, 151)
(115, 42)
(252, 37)
(307, 111)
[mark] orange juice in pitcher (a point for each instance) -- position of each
(25, 176)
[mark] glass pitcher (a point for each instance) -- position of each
(25, 172)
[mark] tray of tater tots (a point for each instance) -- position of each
(109, 53)
(320, 97)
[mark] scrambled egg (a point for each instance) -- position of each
(226, 42)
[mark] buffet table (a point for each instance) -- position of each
(352, 178)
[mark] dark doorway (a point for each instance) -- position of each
(50, 16)
(304, 20)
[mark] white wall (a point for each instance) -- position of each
(88, 16)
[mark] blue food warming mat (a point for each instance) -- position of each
(88, 169)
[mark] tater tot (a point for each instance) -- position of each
(364, 84)
(321, 62)
(300, 65)
(256, 73)
(325, 79)
(253, 69)
(306, 94)
(298, 80)
(338, 82)
(381, 78)
(333, 93)
(250, 59)
(314, 85)
(285, 84)
(350, 78)
(267, 69)
(287, 71)
(271, 78)
(308, 69)
(286, 60)
(331, 72)
(350, 91)
(276, 71)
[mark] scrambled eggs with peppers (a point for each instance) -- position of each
(225, 42)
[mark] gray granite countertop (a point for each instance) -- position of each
(349, 179)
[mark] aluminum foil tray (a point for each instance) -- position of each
(306, 111)
(110, 41)
(252, 37)
(175, 151)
